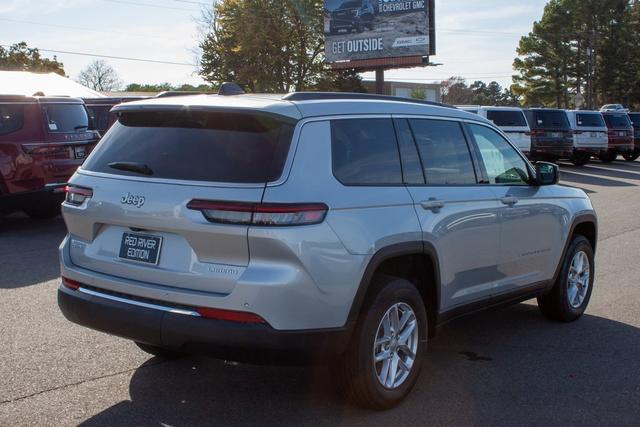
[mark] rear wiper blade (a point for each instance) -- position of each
(140, 168)
(81, 127)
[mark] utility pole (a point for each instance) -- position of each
(380, 81)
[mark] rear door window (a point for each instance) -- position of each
(507, 118)
(11, 118)
(365, 152)
(238, 148)
(65, 117)
(617, 121)
(590, 120)
(445, 155)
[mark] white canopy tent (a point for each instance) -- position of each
(50, 84)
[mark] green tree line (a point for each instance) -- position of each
(456, 91)
(20, 57)
(591, 47)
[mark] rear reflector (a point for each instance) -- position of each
(71, 284)
(230, 316)
(76, 196)
(260, 214)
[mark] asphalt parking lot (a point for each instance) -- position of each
(509, 367)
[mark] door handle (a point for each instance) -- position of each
(509, 201)
(432, 205)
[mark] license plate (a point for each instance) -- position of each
(140, 248)
(556, 134)
(622, 134)
(594, 134)
(79, 152)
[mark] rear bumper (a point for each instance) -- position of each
(197, 335)
(621, 147)
(593, 151)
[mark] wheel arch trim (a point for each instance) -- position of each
(385, 254)
(579, 219)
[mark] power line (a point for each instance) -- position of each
(123, 58)
(83, 29)
(133, 3)
(194, 2)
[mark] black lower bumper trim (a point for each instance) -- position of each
(198, 335)
(17, 202)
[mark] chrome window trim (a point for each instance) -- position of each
(139, 303)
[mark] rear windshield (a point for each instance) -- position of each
(507, 118)
(197, 146)
(548, 120)
(65, 117)
(99, 116)
(594, 120)
(635, 118)
(617, 120)
(11, 118)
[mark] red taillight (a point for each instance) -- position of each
(77, 195)
(71, 284)
(230, 316)
(260, 214)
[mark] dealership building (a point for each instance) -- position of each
(430, 91)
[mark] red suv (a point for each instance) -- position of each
(620, 136)
(43, 140)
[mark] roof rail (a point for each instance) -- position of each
(172, 93)
(322, 96)
(14, 98)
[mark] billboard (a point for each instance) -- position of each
(362, 30)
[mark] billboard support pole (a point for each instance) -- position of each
(380, 81)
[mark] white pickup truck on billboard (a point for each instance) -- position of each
(374, 29)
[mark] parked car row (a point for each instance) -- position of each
(576, 135)
(43, 140)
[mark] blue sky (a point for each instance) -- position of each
(475, 39)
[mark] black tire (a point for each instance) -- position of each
(47, 209)
(580, 159)
(608, 157)
(356, 371)
(555, 305)
(162, 352)
(631, 157)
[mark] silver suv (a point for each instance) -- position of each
(315, 227)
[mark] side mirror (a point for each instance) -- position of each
(547, 173)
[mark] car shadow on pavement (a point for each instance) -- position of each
(29, 250)
(583, 177)
(502, 367)
(609, 171)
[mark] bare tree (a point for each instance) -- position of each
(100, 76)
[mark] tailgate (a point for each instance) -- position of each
(192, 253)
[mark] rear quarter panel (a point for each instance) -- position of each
(361, 221)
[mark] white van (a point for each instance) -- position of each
(590, 136)
(513, 122)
